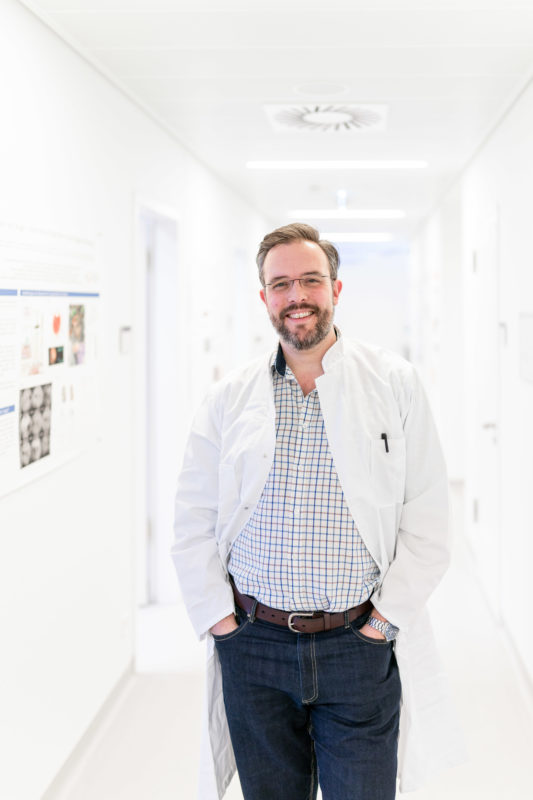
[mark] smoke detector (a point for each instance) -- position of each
(326, 117)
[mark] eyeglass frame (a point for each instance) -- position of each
(291, 281)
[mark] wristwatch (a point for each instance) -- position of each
(388, 630)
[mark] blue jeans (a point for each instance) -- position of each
(309, 709)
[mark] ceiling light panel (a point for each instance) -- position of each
(346, 213)
(356, 237)
(344, 165)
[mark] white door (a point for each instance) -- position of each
(163, 401)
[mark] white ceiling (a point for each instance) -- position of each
(444, 69)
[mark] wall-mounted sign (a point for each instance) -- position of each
(50, 318)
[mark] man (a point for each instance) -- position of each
(311, 527)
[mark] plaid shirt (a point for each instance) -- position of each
(301, 550)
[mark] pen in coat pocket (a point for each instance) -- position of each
(384, 437)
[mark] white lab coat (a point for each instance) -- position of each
(398, 499)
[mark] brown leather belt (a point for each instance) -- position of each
(299, 621)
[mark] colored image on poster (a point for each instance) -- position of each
(55, 355)
(32, 344)
(34, 423)
(76, 335)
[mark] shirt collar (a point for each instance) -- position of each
(278, 362)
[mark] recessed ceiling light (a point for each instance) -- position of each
(391, 164)
(356, 237)
(346, 213)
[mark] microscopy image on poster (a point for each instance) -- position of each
(34, 423)
(76, 335)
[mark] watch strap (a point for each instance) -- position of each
(388, 630)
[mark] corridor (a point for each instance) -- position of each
(146, 149)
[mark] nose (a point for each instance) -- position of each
(296, 293)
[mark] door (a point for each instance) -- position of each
(163, 401)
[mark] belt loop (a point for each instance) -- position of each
(251, 615)
(347, 618)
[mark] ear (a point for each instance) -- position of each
(262, 296)
(337, 287)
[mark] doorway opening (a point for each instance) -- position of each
(162, 400)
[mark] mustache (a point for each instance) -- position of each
(294, 309)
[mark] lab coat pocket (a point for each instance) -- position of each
(387, 469)
(228, 492)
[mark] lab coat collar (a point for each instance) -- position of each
(335, 352)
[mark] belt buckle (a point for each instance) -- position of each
(298, 614)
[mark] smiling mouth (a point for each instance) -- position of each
(299, 314)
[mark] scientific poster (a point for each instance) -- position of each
(50, 320)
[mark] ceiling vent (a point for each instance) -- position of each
(336, 118)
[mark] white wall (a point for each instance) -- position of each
(373, 305)
(74, 155)
(493, 201)
(437, 323)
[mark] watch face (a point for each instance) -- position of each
(389, 631)
(386, 628)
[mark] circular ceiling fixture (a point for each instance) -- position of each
(327, 117)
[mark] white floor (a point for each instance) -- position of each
(148, 747)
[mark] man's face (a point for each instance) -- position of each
(300, 259)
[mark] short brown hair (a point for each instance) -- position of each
(292, 233)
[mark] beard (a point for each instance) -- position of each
(323, 320)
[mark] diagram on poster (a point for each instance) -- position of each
(50, 317)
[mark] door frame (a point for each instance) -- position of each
(141, 204)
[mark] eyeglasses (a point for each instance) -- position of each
(309, 282)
